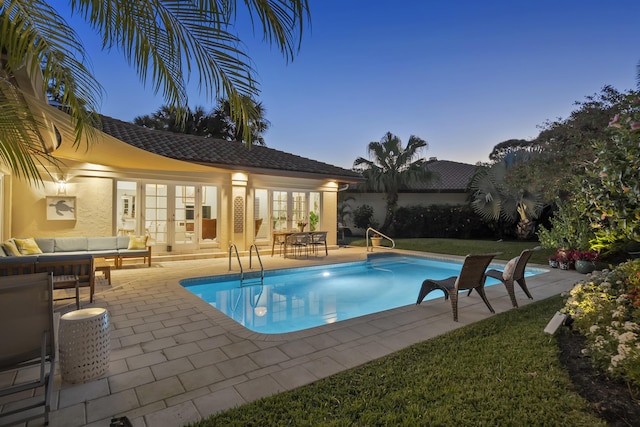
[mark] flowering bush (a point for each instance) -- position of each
(584, 255)
(609, 188)
(564, 255)
(606, 309)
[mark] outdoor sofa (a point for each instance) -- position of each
(115, 247)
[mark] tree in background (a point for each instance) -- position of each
(391, 168)
(165, 41)
(564, 146)
(217, 124)
(609, 186)
(542, 170)
(503, 149)
(494, 198)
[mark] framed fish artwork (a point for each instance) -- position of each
(61, 208)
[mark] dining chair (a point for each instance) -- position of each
(317, 240)
(298, 242)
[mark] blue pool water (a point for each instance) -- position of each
(301, 298)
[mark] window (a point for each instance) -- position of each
(291, 208)
(279, 211)
(299, 207)
(314, 211)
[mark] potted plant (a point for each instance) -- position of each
(301, 225)
(553, 261)
(376, 239)
(564, 258)
(584, 261)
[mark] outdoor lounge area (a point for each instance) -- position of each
(175, 359)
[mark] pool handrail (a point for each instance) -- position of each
(231, 247)
(254, 246)
(376, 232)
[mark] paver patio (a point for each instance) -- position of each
(175, 359)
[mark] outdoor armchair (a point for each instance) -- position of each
(514, 272)
(471, 277)
(27, 340)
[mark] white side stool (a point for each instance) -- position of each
(84, 344)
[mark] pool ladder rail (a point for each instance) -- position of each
(377, 234)
(234, 248)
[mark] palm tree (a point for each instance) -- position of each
(164, 40)
(256, 122)
(493, 199)
(392, 168)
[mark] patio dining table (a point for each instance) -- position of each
(280, 237)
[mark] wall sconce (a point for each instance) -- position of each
(62, 187)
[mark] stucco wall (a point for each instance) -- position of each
(93, 209)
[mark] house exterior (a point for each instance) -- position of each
(189, 194)
(450, 187)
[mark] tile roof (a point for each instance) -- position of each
(450, 177)
(221, 153)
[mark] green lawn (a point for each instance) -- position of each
(501, 371)
(508, 249)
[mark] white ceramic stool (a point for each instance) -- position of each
(84, 344)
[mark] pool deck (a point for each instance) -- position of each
(175, 359)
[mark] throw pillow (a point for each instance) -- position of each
(507, 274)
(137, 242)
(27, 246)
(10, 248)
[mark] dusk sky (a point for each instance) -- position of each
(463, 75)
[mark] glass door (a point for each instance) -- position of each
(156, 218)
(184, 217)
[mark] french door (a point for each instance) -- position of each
(170, 216)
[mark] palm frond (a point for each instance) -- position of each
(21, 147)
(175, 38)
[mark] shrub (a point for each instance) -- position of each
(605, 308)
(439, 221)
(569, 229)
(363, 217)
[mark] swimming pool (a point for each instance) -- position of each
(300, 298)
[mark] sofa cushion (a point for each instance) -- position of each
(47, 256)
(71, 244)
(123, 242)
(133, 252)
(46, 244)
(102, 243)
(10, 248)
(137, 242)
(108, 253)
(27, 246)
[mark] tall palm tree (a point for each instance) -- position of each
(164, 40)
(393, 167)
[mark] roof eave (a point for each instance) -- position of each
(285, 172)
